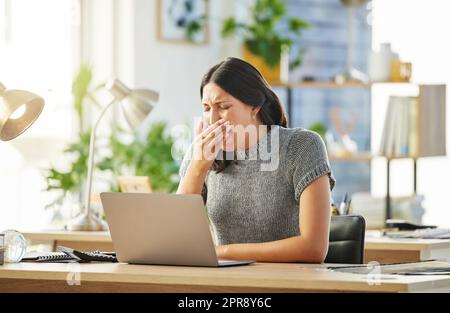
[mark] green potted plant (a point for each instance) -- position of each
(264, 41)
(319, 128)
(150, 157)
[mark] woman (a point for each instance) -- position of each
(280, 213)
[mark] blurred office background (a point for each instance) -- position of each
(43, 44)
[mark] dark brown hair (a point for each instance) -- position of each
(245, 83)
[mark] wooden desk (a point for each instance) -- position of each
(388, 250)
(257, 277)
(382, 250)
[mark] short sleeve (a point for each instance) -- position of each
(308, 160)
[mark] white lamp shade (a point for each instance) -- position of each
(136, 103)
(11, 101)
(137, 106)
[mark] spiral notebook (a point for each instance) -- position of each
(53, 257)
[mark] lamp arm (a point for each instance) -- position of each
(87, 200)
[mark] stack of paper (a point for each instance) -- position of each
(416, 268)
(372, 208)
(426, 233)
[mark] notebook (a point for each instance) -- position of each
(69, 255)
(49, 257)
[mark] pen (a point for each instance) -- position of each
(342, 206)
(347, 208)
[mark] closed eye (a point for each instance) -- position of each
(221, 106)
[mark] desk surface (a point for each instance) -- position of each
(267, 277)
(380, 249)
(371, 243)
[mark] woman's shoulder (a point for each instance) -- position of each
(301, 144)
(299, 136)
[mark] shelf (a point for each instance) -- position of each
(400, 157)
(322, 84)
(352, 157)
(332, 85)
(367, 157)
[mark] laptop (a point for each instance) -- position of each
(164, 229)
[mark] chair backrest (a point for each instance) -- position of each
(346, 239)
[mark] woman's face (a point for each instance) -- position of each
(218, 104)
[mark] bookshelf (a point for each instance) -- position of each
(290, 86)
(425, 141)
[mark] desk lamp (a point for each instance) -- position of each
(18, 110)
(137, 105)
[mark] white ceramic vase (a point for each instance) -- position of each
(380, 63)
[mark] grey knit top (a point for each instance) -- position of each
(256, 198)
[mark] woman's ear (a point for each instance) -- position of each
(255, 111)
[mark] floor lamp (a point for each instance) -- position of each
(137, 105)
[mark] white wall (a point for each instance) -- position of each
(175, 70)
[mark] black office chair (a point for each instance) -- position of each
(346, 239)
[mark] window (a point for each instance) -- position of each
(38, 51)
